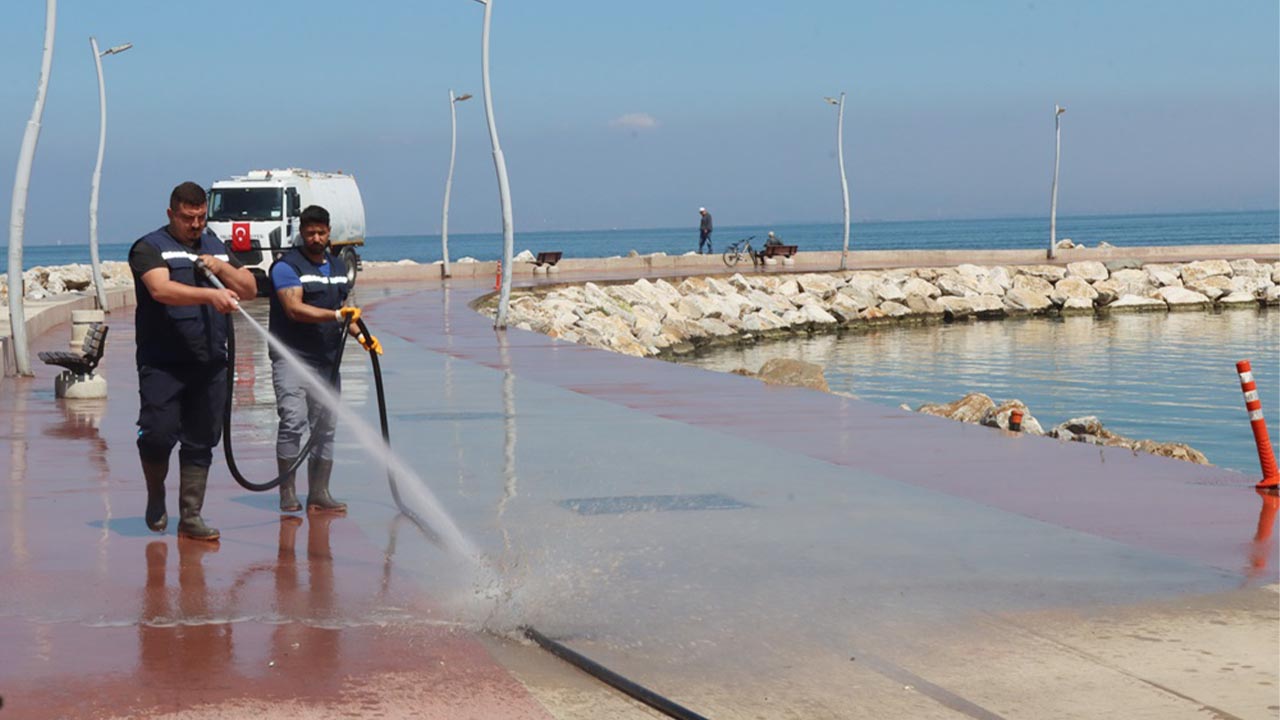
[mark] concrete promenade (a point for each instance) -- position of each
(746, 550)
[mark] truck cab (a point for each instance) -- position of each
(256, 215)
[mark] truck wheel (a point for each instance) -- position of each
(349, 259)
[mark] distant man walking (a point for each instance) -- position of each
(704, 232)
(181, 325)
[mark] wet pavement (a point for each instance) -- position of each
(747, 550)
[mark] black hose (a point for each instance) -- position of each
(611, 678)
(226, 417)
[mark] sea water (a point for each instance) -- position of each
(1169, 377)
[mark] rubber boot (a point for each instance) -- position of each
(191, 484)
(318, 498)
(288, 493)
(155, 472)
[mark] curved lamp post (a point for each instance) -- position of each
(18, 210)
(1053, 200)
(448, 183)
(844, 182)
(500, 165)
(100, 292)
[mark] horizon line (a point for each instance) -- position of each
(874, 221)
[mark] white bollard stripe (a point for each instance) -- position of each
(1255, 415)
(1251, 396)
(1246, 376)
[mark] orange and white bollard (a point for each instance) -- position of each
(1270, 474)
(497, 280)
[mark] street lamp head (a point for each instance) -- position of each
(832, 100)
(1058, 110)
(117, 49)
(463, 96)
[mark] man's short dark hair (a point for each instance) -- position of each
(313, 215)
(188, 193)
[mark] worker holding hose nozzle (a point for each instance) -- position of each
(181, 328)
(309, 291)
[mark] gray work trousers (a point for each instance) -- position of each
(300, 411)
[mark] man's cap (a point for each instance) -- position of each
(702, 209)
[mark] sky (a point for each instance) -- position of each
(634, 114)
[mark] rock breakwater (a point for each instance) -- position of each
(655, 318)
(42, 282)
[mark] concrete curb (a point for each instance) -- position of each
(678, 265)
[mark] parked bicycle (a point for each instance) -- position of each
(736, 252)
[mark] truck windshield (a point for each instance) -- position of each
(230, 204)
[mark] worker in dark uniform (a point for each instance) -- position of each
(181, 329)
(309, 291)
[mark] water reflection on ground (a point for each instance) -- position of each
(1164, 376)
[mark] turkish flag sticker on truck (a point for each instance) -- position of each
(240, 237)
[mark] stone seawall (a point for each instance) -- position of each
(655, 318)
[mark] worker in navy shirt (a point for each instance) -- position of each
(309, 291)
(181, 323)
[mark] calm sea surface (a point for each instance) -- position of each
(1009, 233)
(1168, 377)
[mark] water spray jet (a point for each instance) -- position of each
(439, 527)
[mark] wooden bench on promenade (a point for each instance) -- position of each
(548, 258)
(85, 362)
(779, 251)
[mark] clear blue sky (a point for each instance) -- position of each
(632, 114)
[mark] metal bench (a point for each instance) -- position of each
(779, 251)
(547, 258)
(85, 362)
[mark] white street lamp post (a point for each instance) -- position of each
(1053, 201)
(18, 210)
(100, 292)
(844, 182)
(500, 165)
(448, 183)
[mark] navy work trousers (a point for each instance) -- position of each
(181, 404)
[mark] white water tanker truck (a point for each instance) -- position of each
(256, 215)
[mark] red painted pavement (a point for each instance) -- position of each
(286, 615)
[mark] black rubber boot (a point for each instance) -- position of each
(318, 498)
(191, 484)
(288, 493)
(155, 472)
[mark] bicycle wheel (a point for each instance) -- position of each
(732, 256)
